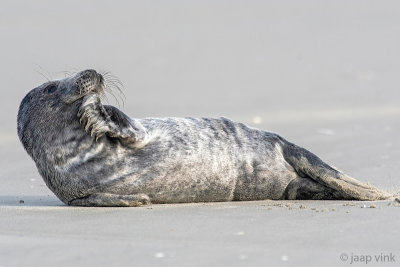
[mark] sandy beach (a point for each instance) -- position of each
(323, 74)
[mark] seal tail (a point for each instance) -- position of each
(306, 164)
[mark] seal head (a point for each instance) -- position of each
(77, 143)
(44, 108)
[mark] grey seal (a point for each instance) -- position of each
(90, 154)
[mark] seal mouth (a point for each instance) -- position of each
(88, 81)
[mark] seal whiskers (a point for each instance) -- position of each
(113, 83)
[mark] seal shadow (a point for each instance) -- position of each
(30, 201)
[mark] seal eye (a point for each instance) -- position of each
(51, 88)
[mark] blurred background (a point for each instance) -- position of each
(323, 74)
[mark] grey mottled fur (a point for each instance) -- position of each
(91, 154)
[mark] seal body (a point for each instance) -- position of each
(90, 154)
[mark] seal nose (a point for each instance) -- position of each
(87, 74)
(91, 74)
(89, 80)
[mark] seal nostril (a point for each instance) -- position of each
(100, 77)
(90, 73)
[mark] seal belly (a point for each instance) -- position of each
(185, 182)
(174, 176)
(201, 160)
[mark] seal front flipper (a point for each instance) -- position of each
(131, 132)
(99, 120)
(111, 200)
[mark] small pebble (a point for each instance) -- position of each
(302, 206)
(243, 257)
(326, 131)
(284, 258)
(159, 255)
(257, 120)
(372, 206)
(397, 199)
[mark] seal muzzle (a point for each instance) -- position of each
(89, 81)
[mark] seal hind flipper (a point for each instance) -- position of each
(309, 166)
(111, 200)
(304, 188)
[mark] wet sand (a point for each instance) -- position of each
(321, 74)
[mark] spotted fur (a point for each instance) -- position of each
(90, 154)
